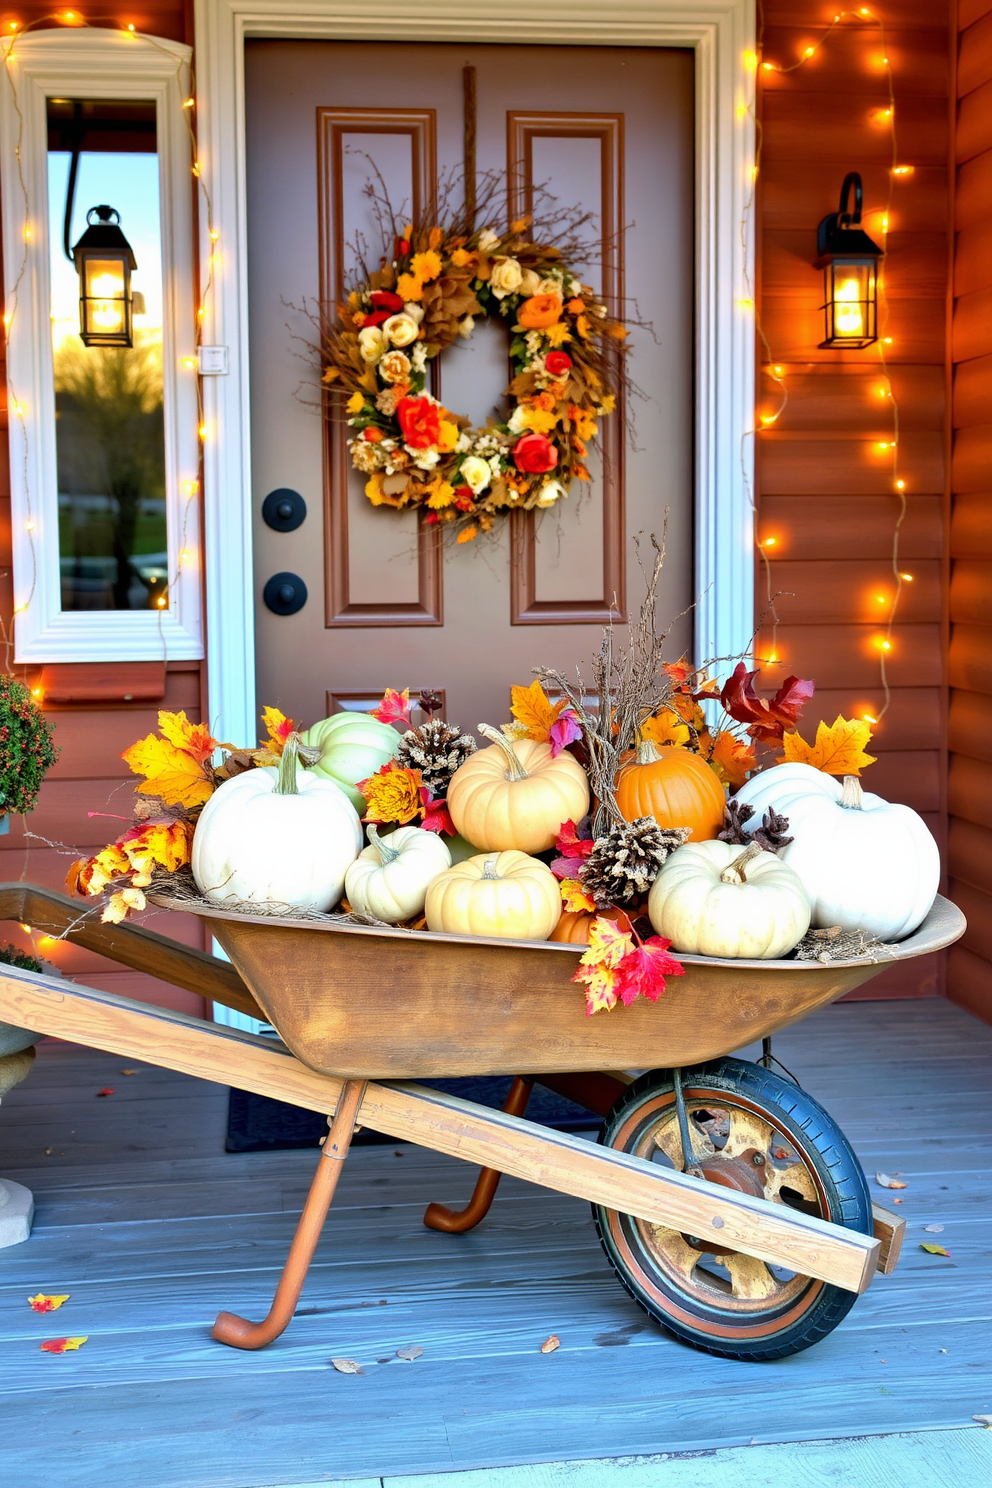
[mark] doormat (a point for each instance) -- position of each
(256, 1123)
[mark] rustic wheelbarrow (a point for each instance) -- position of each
(731, 1206)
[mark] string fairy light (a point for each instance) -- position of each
(776, 372)
(187, 93)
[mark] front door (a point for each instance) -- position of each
(609, 130)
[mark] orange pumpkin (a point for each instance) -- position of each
(673, 785)
(573, 927)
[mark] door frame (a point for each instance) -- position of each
(722, 35)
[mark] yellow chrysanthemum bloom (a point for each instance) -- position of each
(461, 257)
(409, 287)
(449, 435)
(443, 496)
(426, 266)
(355, 403)
(373, 490)
(539, 420)
(393, 795)
(557, 335)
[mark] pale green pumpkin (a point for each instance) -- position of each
(352, 747)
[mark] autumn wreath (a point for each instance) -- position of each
(566, 354)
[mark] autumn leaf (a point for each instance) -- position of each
(167, 845)
(934, 1249)
(600, 983)
(410, 1353)
(732, 759)
(194, 738)
(678, 671)
(665, 728)
(392, 794)
(278, 728)
(574, 896)
(437, 818)
(609, 942)
(766, 718)
(63, 1345)
(574, 842)
(550, 1344)
(107, 1090)
(347, 1366)
(120, 905)
(532, 707)
(884, 1181)
(564, 731)
(43, 1303)
(171, 773)
(839, 748)
(643, 970)
(394, 708)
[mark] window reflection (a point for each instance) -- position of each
(109, 399)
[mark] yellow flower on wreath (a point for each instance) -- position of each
(442, 495)
(409, 287)
(538, 419)
(426, 266)
(557, 335)
(355, 403)
(449, 436)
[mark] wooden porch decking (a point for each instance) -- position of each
(152, 1228)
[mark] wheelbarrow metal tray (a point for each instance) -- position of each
(372, 1003)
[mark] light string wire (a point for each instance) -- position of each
(776, 373)
(74, 21)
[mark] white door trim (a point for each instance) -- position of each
(721, 32)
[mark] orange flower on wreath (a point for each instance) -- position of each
(539, 311)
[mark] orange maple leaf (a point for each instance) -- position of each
(574, 896)
(839, 747)
(62, 1345)
(732, 759)
(43, 1303)
(532, 707)
(167, 844)
(278, 727)
(665, 728)
(171, 772)
(194, 738)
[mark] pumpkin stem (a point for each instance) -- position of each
(734, 872)
(852, 796)
(286, 780)
(386, 853)
(489, 868)
(515, 770)
(647, 754)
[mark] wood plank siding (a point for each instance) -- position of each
(824, 484)
(970, 656)
(87, 705)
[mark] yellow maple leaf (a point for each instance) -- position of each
(839, 747)
(574, 896)
(278, 727)
(195, 738)
(732, 759)
(170, 773)
(608, 943)
(601, 992)
(532, 707)
(120, 905)
(167, 844)
(355, 403)
(665, 728)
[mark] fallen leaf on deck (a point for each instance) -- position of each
(550, 1344)
(897, 1201)
(129, 1072)
(107, 1091)
(41, 1303)
(62, 1345)
(884, 1181)
(347, 1366)
(411, 1353)
(934, 1249)
(983, 1420)
(934, 1229)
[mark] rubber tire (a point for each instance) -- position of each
(825, 1148)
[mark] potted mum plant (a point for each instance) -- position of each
(27, 752)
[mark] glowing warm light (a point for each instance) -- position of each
(38, 693)
(188, 103)
(746, 304)
(26, 929)
(868, 718)
(189, 363)
(196, 167)
(848, 318)
(885, 222)
(881, 598)
(906, 578)
(27, 233)
(903, 170)
(742, 111)
(778, 371)
(750, 60)
(884, 445)
(162, 601)
(900, 485)
(886, 340)
(18, 408)
(769, 542)
(214, 235)
(809, 51)
(768, 66)
(29, 526)
(202, 431)
(45, 942)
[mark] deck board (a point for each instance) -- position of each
(152, 1228)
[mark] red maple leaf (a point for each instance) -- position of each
(436, 815)
(394, 708)
(565, 730)
(573, 848)
(766, 718)
(643, 970)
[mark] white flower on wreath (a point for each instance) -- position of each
(419, 356)
(466, 326)
(505, 278)
(487, 240)
(517, 422)
(364, 456)
(401, 329)
(533, 341)
(395, 366)
(372, 343)
(530, 283)
(476, 474)
(550, 285)
(550, 492)
(463, 443)
(424, 459)
(415, 311)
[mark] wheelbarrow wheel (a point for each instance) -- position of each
(753, 1131)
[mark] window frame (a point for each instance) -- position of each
(99, 64)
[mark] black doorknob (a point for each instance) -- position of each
(285, 593)
(284, 510)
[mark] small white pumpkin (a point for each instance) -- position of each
(507, 895)
(390, 878)
(719, 899)
(276, 836)
(866, 863)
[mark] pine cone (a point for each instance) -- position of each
(436, 749)
(625, 863)
(736, 814)
(771, 834)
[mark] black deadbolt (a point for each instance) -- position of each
(285, 593)
(284, 510)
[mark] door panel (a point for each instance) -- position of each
(607, 129)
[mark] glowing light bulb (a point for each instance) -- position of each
(214, 235)
(29, 526)
(809, 51)
(162, 601)
(768, 67)
(188, 103)
(769, 542)
(886, 340)
(778, 371)
(26, 929)
(202, 431)
(900, 485)
(902, 170)
(868, 718)
(886, 645)
(848, 318)
(189, 363)
(880, 598)
(746, 304)
(750, 60)
(906, 578)
(742, 111)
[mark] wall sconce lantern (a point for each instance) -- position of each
(104, 262)
(849, 260)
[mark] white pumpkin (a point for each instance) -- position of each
(390, 878)
(866, 863)
(276, 836)
(719, 899)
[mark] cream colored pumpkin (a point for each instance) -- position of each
(507, 895)
(276, 836)
(389, 879)
(516, 795)
(719, 899)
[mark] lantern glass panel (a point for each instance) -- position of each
(850, 302)
(110, 439)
